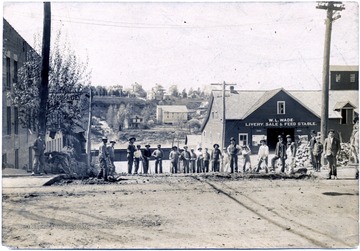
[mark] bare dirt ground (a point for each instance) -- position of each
(181, 211)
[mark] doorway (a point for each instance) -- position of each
(272, 134)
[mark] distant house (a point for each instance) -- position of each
(135, 121)
(171, 114)
(154, 95)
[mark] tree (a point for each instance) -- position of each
(190, 92)
(68, 79)
(184, 94)
(110, 116)
(159, 91)
(194, 124)
(173, 91)
(138, 90)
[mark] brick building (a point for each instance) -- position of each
(16, 139)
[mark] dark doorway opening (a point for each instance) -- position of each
(272, 136)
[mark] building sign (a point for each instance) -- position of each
(281, 122)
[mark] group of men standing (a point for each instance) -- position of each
(185, 161)
(286, 152)
(203, 161)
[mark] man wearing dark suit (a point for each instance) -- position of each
(130, 154)
(280, 153)
(331, 148)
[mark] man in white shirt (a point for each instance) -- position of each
(263, 155)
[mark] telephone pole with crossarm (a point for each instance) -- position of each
(332, 10)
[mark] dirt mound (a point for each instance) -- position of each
(62, 180)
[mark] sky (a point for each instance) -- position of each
(255, 45)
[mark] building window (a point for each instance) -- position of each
(8, 75)
(8, 120)
(281, 107)
(352, 78)
(17, 158)
(4, 158)
(346, 116)
(16, 120)
(337, 78)
(243, 138)
(15, 71)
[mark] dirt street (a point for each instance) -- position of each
(182, 211)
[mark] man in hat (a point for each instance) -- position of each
(216, 157)
(233, 151)
(103, 159)
(174, 157)
(39, 156)
(130, 154)
(263, 156)
(331, 149)
(192, 160)
(111, 151)
(199, 160)
(158, 154)
(147, 157)
(137, 158)
(290, 153)
(280, 153)
(311, 148)
(185, 157)
(245, 152)
(318, 150)
(206, 160)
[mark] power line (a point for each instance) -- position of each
(108, 23)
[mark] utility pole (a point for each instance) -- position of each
(223, 113)
(44, 87)
(332, 13)
(88, 136)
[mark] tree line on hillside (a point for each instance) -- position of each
(157, 92)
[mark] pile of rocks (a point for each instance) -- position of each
(66, 163)
(344, 154)
(302, 157)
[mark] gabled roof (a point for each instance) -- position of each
(239, 106)
(341, 105)
(265, 97)
(313, 100)
(173, 108)
(344, 68)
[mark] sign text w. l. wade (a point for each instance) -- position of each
(281, 122)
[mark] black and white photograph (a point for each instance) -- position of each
(180, 125)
